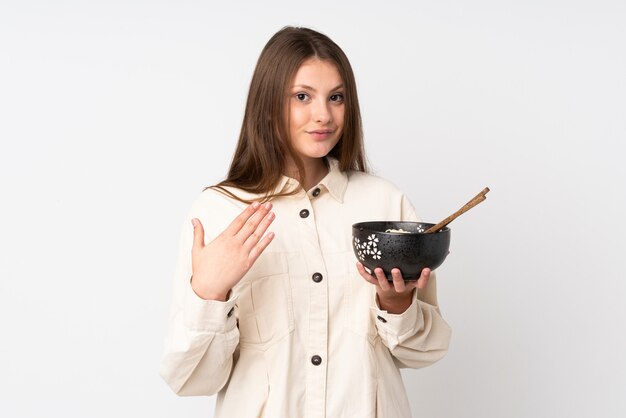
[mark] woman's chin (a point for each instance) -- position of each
(318, 152)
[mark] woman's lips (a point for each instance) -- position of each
(321, 133)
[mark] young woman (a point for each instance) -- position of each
(270, 308)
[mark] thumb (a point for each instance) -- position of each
(198, 233)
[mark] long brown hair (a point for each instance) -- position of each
(259, 160)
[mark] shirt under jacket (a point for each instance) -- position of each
(301, 335)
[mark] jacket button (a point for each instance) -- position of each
(304, 213)
(316, 360)
(317, 277)
(316, 192)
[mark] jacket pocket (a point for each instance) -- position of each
(264, 306)
(359, 298)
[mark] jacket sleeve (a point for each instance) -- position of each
(202, 334)
(419, 336)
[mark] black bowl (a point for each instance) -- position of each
(410, 252)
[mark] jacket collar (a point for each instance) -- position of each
(335, 182)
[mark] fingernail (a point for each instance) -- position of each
(194, 222)
(268, 206)
(255, 205)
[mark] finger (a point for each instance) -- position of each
(253, 222)
(423, 280)
(256, 236)
(398, 280)
(241, 219)
(198, 234)
(368, 277)
(382, 279)
(260, 247)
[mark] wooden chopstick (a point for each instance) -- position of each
(480, 197)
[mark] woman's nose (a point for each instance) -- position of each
(322, 113)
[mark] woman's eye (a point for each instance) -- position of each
(336, 98)
(302, 96)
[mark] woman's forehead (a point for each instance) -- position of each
(314, 74)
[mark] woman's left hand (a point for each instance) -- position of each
(397, 296)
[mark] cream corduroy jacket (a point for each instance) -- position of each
(301, 335)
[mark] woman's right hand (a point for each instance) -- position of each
(222, 263)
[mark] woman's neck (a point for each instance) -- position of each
(315, 169)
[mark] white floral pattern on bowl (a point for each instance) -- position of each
(367, 248)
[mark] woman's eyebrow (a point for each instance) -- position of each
(305, 87)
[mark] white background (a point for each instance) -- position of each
(115, 114)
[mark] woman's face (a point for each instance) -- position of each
(316, 109)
